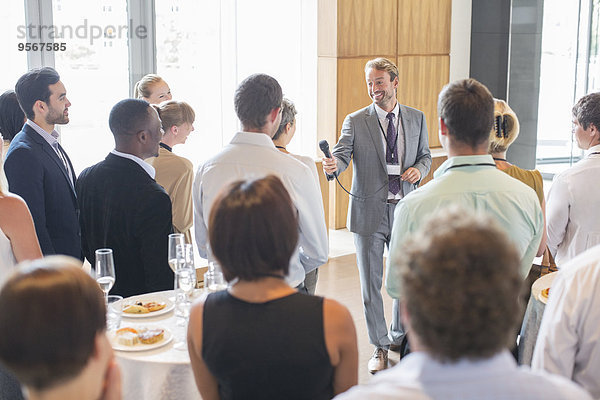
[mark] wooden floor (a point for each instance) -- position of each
(339, 280)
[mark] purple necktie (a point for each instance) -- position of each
(391, 153)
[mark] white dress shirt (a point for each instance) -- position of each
(568, 342)
(253, 155)
(572, 209)
(147, 167)
(383, 123)
(420, 377)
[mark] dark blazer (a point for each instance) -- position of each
(38, 175)
(124, 209)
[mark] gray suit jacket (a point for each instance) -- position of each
(361, 141)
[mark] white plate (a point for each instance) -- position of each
(141, 346)
(144, 298)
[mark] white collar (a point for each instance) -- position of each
(254, 138)
(50, 137)
(382, 114)
(593, 149)
(147, 167)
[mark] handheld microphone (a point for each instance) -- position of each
(324, 146)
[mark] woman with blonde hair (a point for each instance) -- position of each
(173, 172)
(18, 240)
(153, 89)
(504, 132)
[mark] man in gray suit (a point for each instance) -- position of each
(389, 147)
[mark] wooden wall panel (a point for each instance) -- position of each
(367, 27)
(352, 91)
(327, 100)
(421, 79)
(424, 27)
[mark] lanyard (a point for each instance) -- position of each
(471, 165)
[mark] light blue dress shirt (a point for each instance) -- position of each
(478, 187)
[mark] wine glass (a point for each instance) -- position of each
(185, 282)
(105, 270)
(175, 239)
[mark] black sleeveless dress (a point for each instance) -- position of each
(272, 350)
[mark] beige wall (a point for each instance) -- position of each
(413, 33)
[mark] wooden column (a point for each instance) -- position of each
(413, 33)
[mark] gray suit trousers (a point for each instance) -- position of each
(369, 257)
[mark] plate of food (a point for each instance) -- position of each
(150, 305)
(140, 338)
(544, 295)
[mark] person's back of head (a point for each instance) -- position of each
(54, 312)
(34, 86)
(12, 117)
(174, 113)
(467, 109)
(253, 229)
(460, 275)
(136, 127)
(288, 116)
(505, 129)
(255, 98)
(587, 110)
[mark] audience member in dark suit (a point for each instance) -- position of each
(122, 206)
(37, 167)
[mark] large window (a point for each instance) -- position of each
(204, 49)
(94, 69)
(570, 68)
(12, 32)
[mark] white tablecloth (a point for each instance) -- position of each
(159, 374)
(533, 318)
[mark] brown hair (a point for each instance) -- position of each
(587, 110)
(253, 230)
(460, 279)
(142, 87)
(288, 115)
(255, 98)
(505, 129)
(383, 64)
(174, 113)
(467, 108)
(53, 311)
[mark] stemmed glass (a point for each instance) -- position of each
(105, 270)
(185, 282)
(175, 239)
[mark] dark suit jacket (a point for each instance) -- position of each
(361, 141)
(37, 174)
(124, 209)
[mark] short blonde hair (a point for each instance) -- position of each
(505, 129)
(142, 87)
(382, 64)
(174, 113)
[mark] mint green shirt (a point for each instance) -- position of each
(479, 187)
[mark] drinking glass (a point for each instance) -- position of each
(185, 282)
(114, 308)
(214, 279)
(105, 270)
(175, 239)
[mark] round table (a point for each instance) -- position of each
(533, 318)
(162, 373)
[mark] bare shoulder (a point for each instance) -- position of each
(335, 313)
(12, 203)
(13, 211)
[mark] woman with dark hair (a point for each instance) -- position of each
(12, 117)
(264, 340)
